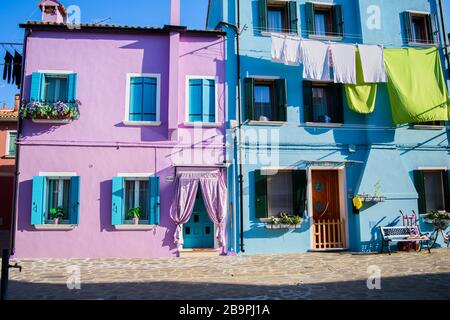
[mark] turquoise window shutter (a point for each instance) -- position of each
(209, 101)
(154, 200)
(117, 200)
(37, 204)
(72, 87)
(149, 99)
(293, 17)
(195, 100)
(262, 4)
(310, 21)
(36, 85)
(136, 98)
(74, 200)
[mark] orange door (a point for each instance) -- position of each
(325, 194)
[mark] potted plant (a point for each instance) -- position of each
(135, 214)
(290, 222)
(440, 219)
(56, 214)
(273, 223)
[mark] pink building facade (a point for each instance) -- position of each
(151, 107)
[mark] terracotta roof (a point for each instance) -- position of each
(10, 114)
(111, 27)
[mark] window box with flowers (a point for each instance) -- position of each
(283, 222)
(57, 112)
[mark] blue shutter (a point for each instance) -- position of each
(117, 200)
(36, 85)
(74, 200)
(195, 100)
(149, 99)
(37, 204)
(208, 101)
(71, 87)
(136, 98)
(154, 200)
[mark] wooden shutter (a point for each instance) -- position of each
(299, 184)
(74, 200)
(195, 100)
(72, 87)
(261, 205)
(338, 21)
(118, 190)
(446, 176)
(310, 21)
(12, 143)
(249, 84)
(433, 33)
(337, 103)
(136, 98)
(293, 17)
(307, 101)
(208, 100)
(154, 200)
(262, 15)
(281, 99)
(408, 26)
(36, 86)
(37, 204)
(419, 183)
(149, 99)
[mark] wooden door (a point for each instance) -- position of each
(328, 227)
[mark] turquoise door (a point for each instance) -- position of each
(199, 231)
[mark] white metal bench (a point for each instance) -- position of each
(403, 234)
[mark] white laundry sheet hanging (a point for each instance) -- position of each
(344, 62)
(286, 49)
(372, 60)
(316, 61)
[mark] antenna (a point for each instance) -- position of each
(102, 20)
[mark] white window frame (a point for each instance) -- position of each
(216, 101)
(57, 73)
(137, 179)
(8, 143)
(127, 120)
(60, 179)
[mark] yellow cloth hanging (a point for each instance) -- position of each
(361, 97)
(357, 203)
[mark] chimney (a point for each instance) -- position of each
(17, 102)
(53, 11)
(175, 12)
(4, 105)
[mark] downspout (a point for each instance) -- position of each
(236, 29)
(441, 13)
(12, 239)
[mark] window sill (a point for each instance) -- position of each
(330, 38)
(133, 227)
(203, 124)
(266, 123)
(62, 121)
(269, 33)
(9, 157)
(55, 227)
(142, 123)
(427, 127)
(420, 44)
(324, 125)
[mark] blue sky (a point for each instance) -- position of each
(131, 12)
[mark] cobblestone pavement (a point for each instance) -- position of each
(256, 277)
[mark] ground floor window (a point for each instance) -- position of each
(136, 196)
(58, 191)
(433, 189)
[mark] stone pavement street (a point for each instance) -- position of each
(257, 277)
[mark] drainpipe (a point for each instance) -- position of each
(441, 13)
(236, 29)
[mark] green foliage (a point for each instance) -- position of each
(285, 219)
(135, 213)
(439, 216)
(56, 213)
(377, 188)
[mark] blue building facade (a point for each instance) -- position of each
(295, 160)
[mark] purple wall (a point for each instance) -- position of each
(98, 146)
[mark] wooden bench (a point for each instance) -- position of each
(403, 234)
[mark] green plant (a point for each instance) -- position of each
(439, 216)
(377, 188)
(135, 213)
(290, 220)
(274, 221)
(56, 213)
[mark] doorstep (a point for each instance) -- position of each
(185, 253)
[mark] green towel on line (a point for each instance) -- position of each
(361, 96)
(416, 86)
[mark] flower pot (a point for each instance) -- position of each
(135, 221)
(56, 221)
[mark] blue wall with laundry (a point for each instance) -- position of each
(380, 152)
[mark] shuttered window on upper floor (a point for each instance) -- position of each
(323, 102)
(202, 100)
(324, 20)
(419, 28)
(143, 99)
(278, 16)
(53, 87)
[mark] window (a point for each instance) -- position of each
(420, 28)
(143, 105)
(433, 189)
(283, 192)
(265, 99)
(130, 193)
(55, 191)
(324, 20)
(136, 196)
(278, 16)
(322, 102)
(11, 144)
(53, 86)
(201, 100)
